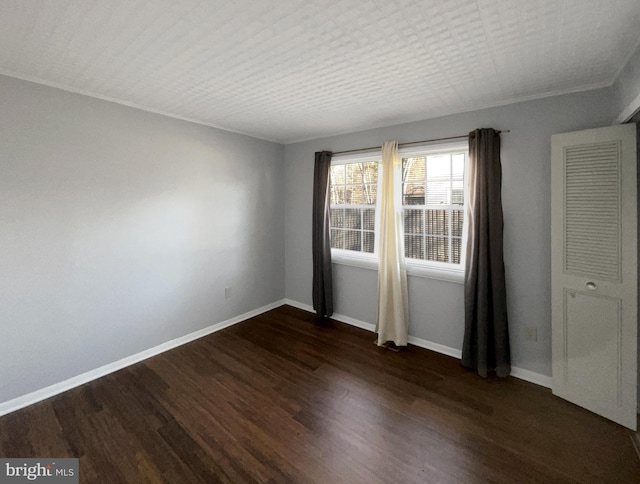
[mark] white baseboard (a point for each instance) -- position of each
(47, 392)
(299, 305)
(520, 373)
(438, 348)
(531, 376)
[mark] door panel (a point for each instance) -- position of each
(594, 270)
(592, 339)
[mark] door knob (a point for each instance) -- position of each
(591, 286)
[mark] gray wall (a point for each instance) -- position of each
(436, 312)
(120, 230)
(627, 88)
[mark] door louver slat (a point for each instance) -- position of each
(592, 211)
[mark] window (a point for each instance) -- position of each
(433, 206)
(433, 199)
(354, 190)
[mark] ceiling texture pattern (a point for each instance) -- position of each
(288, 70)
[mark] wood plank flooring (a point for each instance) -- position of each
(279, 398)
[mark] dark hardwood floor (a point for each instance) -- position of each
(279, 399)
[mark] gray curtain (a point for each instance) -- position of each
(321, 244)
(486, 334)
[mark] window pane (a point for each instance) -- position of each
(369, 219)
(413, 194)
(456, 248)
(437, 222)
(438, 193)
(337, 239)
(361, 194)
(370, 172)
(354, 194)
(337, 217)
(337, 174)
(457, 165)
(352, 218)
(439, 167)
(337, 195)
(368, 239)
(457, 222)
(370, 194)
(352, 240)
(413, 221)
(413, 170)
(414, 246)
(457, 192)
(437, 249)
(354, 173)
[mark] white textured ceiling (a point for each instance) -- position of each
(288, 70)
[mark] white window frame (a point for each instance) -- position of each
(435, 269)
(368, 260)
(415, 267)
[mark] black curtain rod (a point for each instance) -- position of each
(412, 143)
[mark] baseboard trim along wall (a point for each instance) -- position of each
(57, 388)
(520, 373)
(52, 390)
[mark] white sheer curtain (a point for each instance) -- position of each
(393, 302)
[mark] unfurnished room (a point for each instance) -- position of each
(319, 241)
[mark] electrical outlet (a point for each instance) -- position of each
(531, 333)
(227, 292)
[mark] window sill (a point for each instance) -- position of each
(439, 273)
(413, 269)
(362, 261)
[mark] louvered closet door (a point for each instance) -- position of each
(594, 270)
